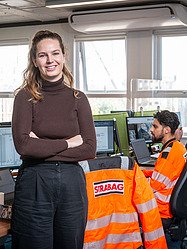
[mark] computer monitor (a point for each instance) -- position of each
(105, 136)
(9, 158)
(139, 127)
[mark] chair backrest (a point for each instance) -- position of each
(178, 201)
(100, 163)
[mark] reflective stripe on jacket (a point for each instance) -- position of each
(166, 172)
(118, 197)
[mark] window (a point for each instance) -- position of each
(174, 54)
(101, 72)
(171, 68)
(13, 63)
(169, 91)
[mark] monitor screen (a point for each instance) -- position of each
(139, 127)
(105, 136)
(8, 155)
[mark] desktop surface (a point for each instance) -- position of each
(4, 228)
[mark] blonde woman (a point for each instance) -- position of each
(52, 129)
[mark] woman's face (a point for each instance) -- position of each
(49, 59)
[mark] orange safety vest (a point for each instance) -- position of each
(119, 196)
(167, 170)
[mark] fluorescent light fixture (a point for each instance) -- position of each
(71, 3)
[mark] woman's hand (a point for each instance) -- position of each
(33, 135)
(74, 141)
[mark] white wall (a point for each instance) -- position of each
(139, 55)
(28, 32)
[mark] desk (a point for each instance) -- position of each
(4, 227)
(4, 231)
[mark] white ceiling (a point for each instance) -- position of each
(24, 12)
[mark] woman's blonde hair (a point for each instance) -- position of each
(31, 75)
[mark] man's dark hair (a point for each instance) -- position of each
(168, 118)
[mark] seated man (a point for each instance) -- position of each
(168, 166)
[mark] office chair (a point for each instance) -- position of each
(120, 198)
(178, 205)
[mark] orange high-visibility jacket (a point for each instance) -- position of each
(119, 196)
(166, 172)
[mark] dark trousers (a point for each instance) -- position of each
(50, 207)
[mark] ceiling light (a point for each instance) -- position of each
(70, 3)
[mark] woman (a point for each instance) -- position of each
(52, 129)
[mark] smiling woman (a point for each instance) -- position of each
(51, 138)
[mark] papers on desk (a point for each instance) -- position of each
(5, 212)
(156, 155)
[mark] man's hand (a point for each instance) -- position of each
(179, 133)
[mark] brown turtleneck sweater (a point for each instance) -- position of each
(57, 117)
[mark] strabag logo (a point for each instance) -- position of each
(108, 187)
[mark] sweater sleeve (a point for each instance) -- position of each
(86, 125)
(22, 126)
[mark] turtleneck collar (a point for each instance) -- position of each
(49, 86)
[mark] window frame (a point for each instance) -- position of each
(158, 34)
(157, 69)
(12, 42)
(98, 37)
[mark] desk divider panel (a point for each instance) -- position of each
(145, 113)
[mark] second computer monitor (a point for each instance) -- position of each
(139, 127)
(105, 136)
